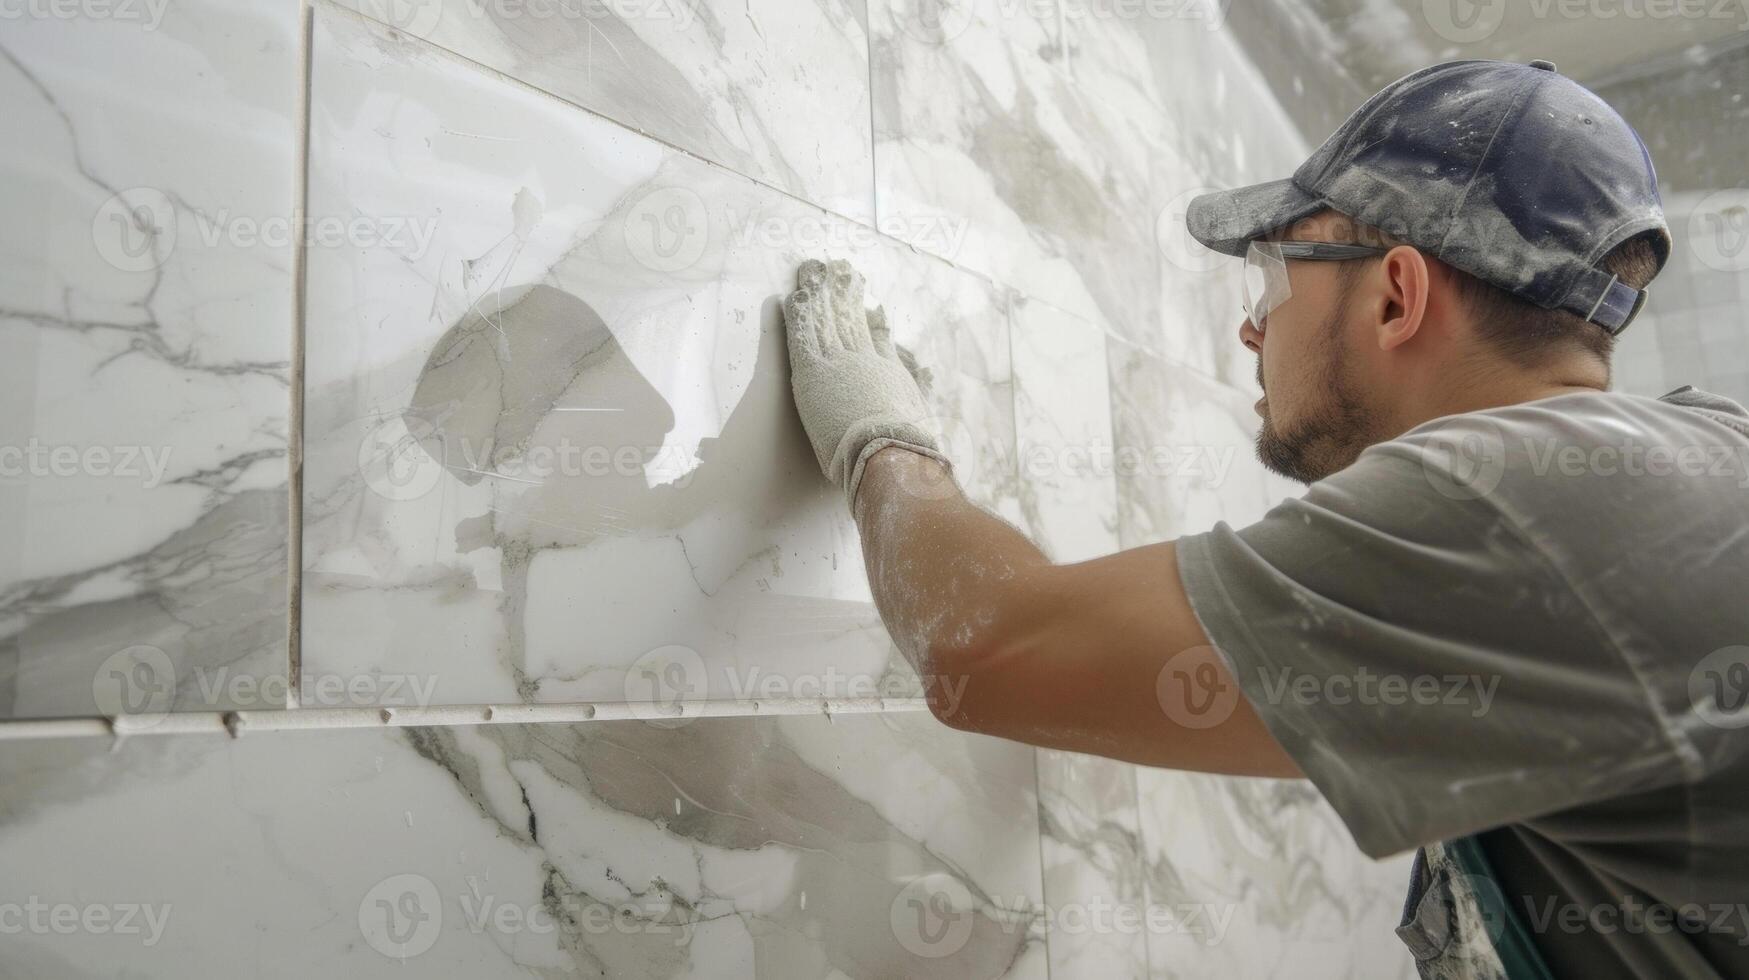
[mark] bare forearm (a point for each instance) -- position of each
(942, 569)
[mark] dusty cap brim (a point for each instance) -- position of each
(1227, 221)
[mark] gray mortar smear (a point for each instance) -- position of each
(489, 393)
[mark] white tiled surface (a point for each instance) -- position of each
(1062, 410)
(567, 231)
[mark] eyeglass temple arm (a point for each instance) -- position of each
(1327, 250)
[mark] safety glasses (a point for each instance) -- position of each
(1265, 283)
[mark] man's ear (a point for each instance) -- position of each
(1402, 304)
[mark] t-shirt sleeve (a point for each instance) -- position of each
(1423, 662)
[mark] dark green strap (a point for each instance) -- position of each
(1516, 946)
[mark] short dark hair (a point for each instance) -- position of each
(1531, 335)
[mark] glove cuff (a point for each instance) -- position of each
(854, 479)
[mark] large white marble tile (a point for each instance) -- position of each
(1061, 143)
(1230, 131)
(1096, 904)
(146, 160)
(1268, 882)
(777, 90)
(1087, 805)
(1125, 69)
(1062, 409)
(1252, 878)
(1186, 450)
(551, 454)
(956, 327)
(1200, 301)
(993, 150)
(795, 847)
(1230, 127)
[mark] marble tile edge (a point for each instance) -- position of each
(294, 450)
(236, 723)
(1169, 359)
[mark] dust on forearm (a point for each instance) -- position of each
(943, 570)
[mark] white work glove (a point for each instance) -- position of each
(854, 394)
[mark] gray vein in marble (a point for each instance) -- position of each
(747, 791)
(207, 585)
(211, 595)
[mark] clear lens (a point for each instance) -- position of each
(1256, 285)
(1265, 281)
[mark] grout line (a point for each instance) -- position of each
(1100, 324)
(874, 170)
(1171, 359)
(237, 723)
(295, 431)
(1147, 896)
(1044, 867)
(1668, 63)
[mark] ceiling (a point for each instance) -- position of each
(1377, 41)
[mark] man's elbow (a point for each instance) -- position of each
(974, 672)
(949, 672)
(971, 686)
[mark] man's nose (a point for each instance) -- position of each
(1250, 336)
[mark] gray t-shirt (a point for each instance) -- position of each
(1530, 624)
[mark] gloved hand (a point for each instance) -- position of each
(854, 394)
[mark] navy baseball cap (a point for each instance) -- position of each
(1515, 174)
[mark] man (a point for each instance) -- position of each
(1543, 582)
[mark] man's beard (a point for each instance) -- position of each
(1330, 436)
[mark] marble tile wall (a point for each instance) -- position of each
(548, 455)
